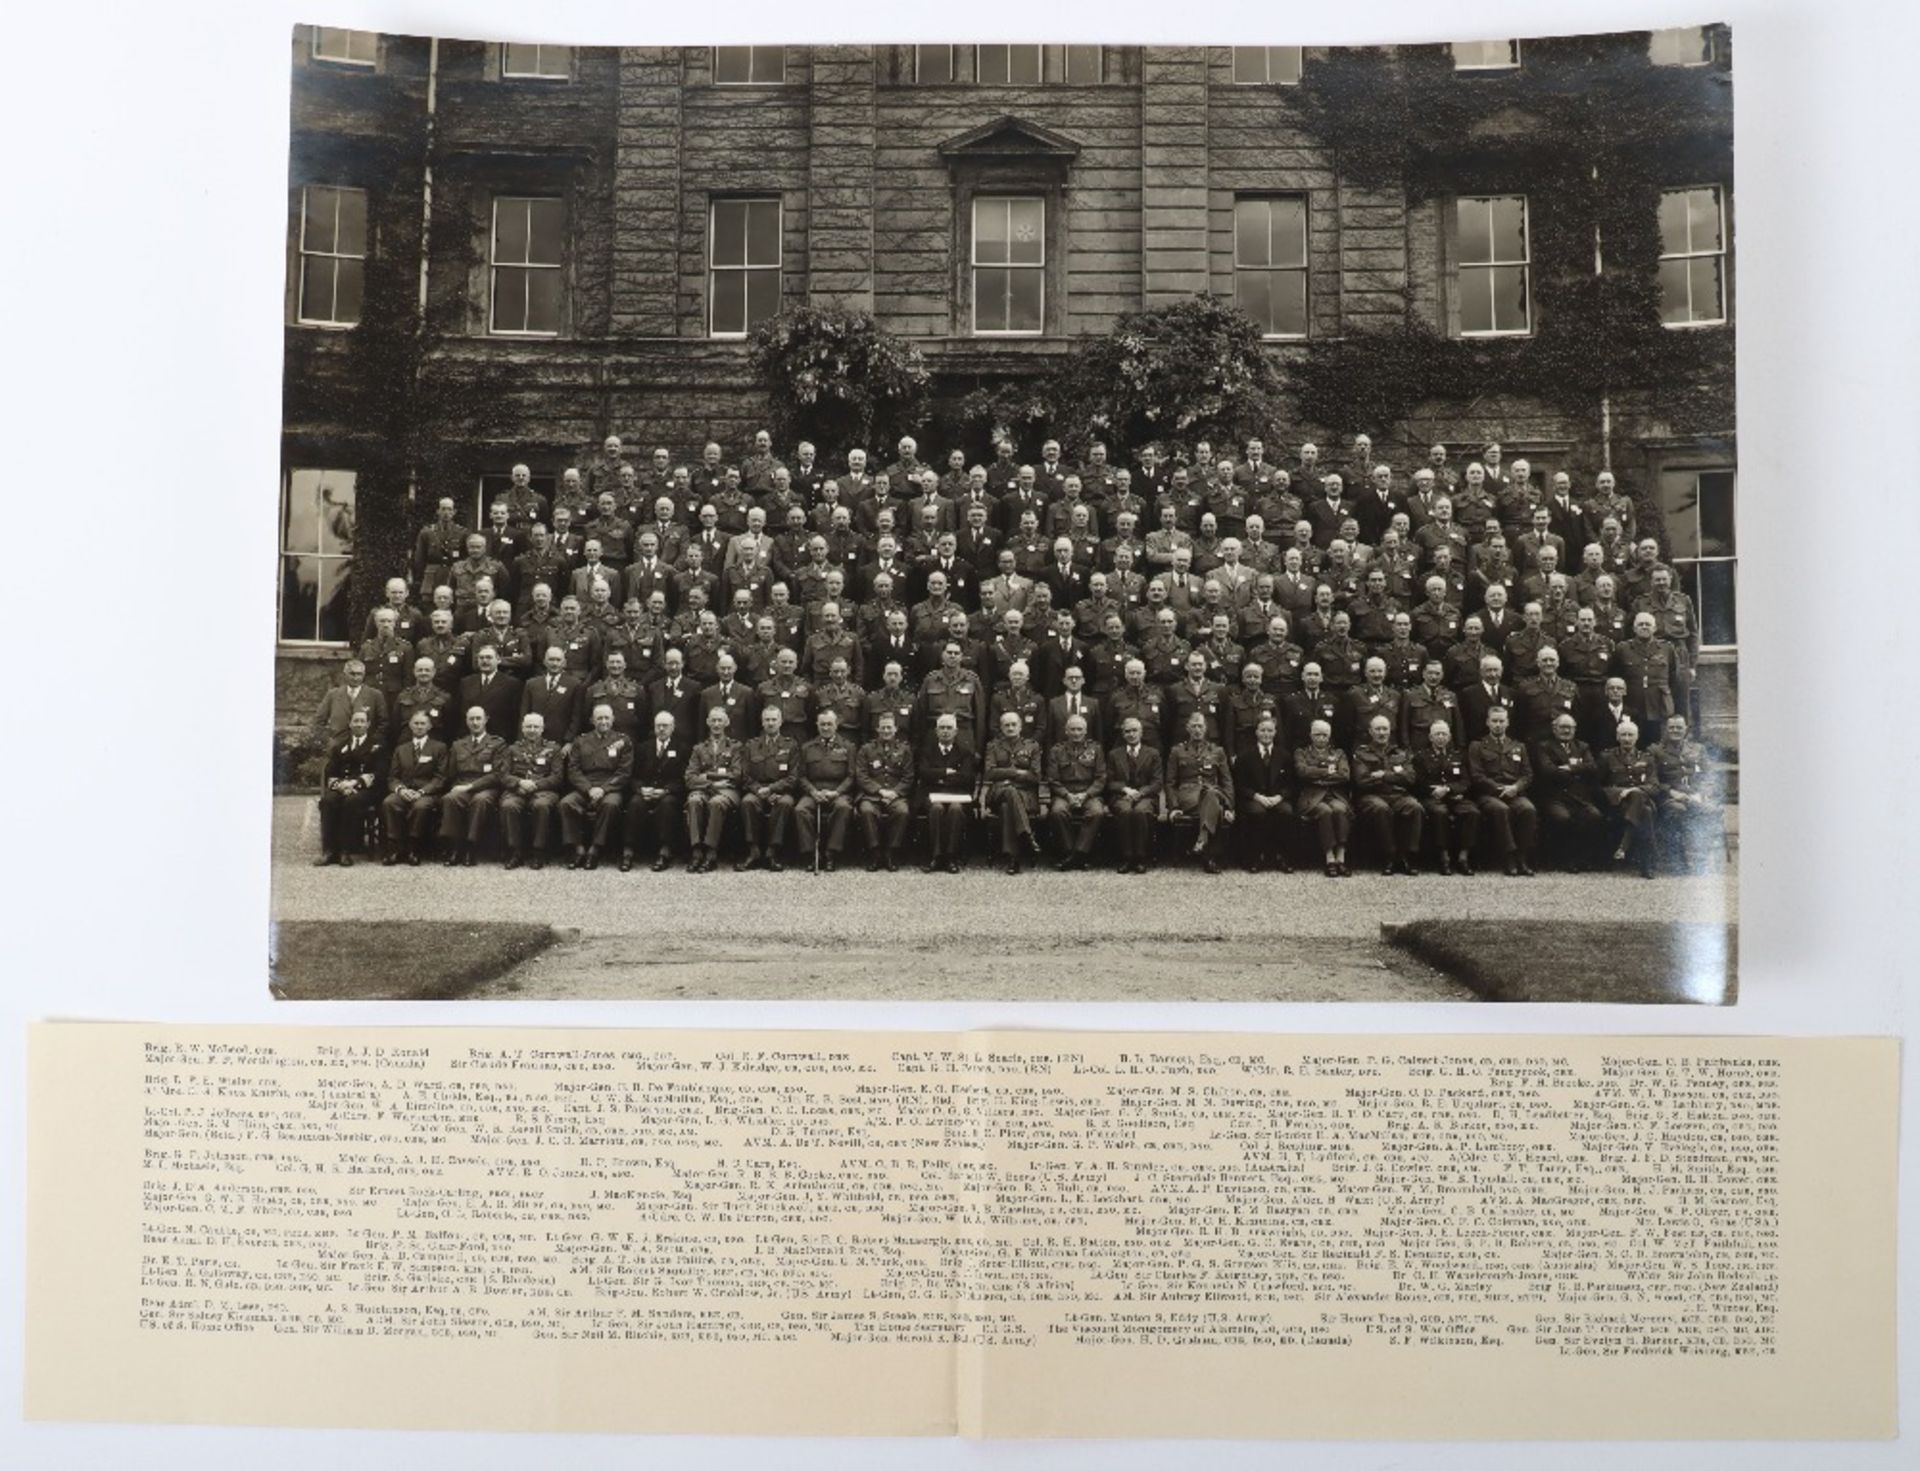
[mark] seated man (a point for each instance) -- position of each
(1012, 771)
(945, 776)
(1325, 781)
(1199, 782)
(1501, 775)
(884, 780)
(1445, 788)
(1383, 779)
(659, 792)
(1076, 774)
(767, 787)
(475, 765)
(826, 783)
(1262, 788)
(1564, 770)
(714, 773)
(530, 782)
(599, 771)
(1630, 780)
(416, 776)
(355, 764)
(1691, 807)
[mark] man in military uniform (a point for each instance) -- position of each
(944, 771)
(659, 790)
(1651, 669)
(1690, 802)
(1676, 623)
(1546, 697)
(1630, 781)
(953, 690)
(1427, 702)
(1325, 778)
(387, 654)
(439, 545)
(531, 773)
(1076, 775)
(355, 765)
(769, 767)
(599, 773)
(1445, 788)
(788, 694)
(416, 776)
(1247, 703)
(1372, 696)
(1138, 699)
(408, 621)
(825, 781)
(1195, 695)
(1565, 771)
(1199, 782)
(422, 694)
(714, 773)
(883, 780)
(1383, 784)
(467, 574)
(1342, 658)
(1501, 774)
(335, 716)
(475, 766)
(1262, 786)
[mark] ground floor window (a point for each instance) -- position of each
(316, 556)
(1698, 505)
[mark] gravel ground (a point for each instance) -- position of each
(1172, 935)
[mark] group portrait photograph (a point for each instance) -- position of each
(1082, 522)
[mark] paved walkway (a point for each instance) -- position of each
(1174, 935)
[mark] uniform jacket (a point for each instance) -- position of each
(1492, 764)
(1192, 768)
(1433, 768)
(771, 764)
(542, 762)
(478, 762)
(714, 766)
(1077, 770)
(368, 765)
(604, 761)
(882, 766)
(826, 767)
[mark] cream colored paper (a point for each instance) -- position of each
(1005, 1234)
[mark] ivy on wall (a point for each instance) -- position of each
(838, 379)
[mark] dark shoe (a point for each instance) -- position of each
(661, 864)
(513, 862)
(592, 861)
(830, 863)
(577, 860)
(1345, 872)
(873, 863)
(390, 860)
(1286, 865)
(536, 863)
(774, 865)
(953, 865)
(326, 860)
(1465, 865)
(1388, 870)
(413, 860)
(935, 865)
(1333, 869)
(892, 864)
(452, 860)
(1256, 866)
(1526, 869)
(1513, 868)
(1013, 865)
(469, 859)
(1210, 866)
(1446, 864)
(1065, 865)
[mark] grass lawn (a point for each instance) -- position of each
(1630, 963)
(395, 960)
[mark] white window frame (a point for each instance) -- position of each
(953, 64)
(335, 255)
(1039, 64)
(777, 269)
(347, 35)
(753, 59)
(540, 50)
(1705, 34)
(1303, 270)
(279, 597)
(1511, 64)
(1460, 267)
(1267, 78)
(975, 264)
(494, 264)
(1731, 558)
(1690, 254)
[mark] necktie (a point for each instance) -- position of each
(553, 683)
(419, 748)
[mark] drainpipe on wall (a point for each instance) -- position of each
(1606, 400)
(426, 230)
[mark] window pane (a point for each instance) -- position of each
(1283, 64)
(543, 301)
(1289, 231)
(991, 64)
(1680, 46)
(763, 232)
(1485, 53)
(1703, 219)
(729, 301)
(1476, 238)
(1251, 233)
(729, 232)
(316, 289)
(352, 235)
(990, 299)
(763, 296)
(1510, 307)
(1023, 301)
(509, 299)
(335, 512)
(990, 231)
(548, 220)
(1023, 62)
(1083, 64)
(335, 572)
(1026, 220)
(935, 63)
(732, 63)
(348, 283)
(1290, 303)
(769, 63)
(510, 230)
(1476, 300)
(521, 60)
(1253, 292)
(321, 211)
(1673, 292)
(299, 597)
(1509, 229)
(1716, 513)
(1249, 64)
(1715, 604)
(1708, 303)
(1679, 506)
(361, 45)
(1673, 222)
(300, 513)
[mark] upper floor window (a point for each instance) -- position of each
(1493, 266)
(1681, 46)
(1007, 65)
(1085, 65)
(525, 258)
(1698, 507)
(1485, 56)
(554, 63)
(316, 555)
(749, 65)
(933, 63)
(1693, 253)
(1009, 265)
(1255, 65)
(743, 268)
(349, 48)
(333, 254)
(1270, 263)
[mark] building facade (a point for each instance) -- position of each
(501, 253)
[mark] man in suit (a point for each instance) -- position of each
(1262, 786)
(497, 694)
(335, 716)
(599, 773)
(531, 775)
(1074, 699)
(675, 694)
(659, 791)
(728, 694)
(555, 696)
(416, 776)
(355, 765)
(945, 776)
(476, 765)
(1485, 695)
(1134, 777)
(1565, 773)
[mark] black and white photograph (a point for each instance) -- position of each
(978, 521)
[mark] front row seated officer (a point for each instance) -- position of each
(531, 783)
(354, 764)
(475, 768)
(416, 776)
(599, 772)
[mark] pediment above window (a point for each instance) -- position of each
(1009, 142)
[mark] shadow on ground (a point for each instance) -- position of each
(1572, 960)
